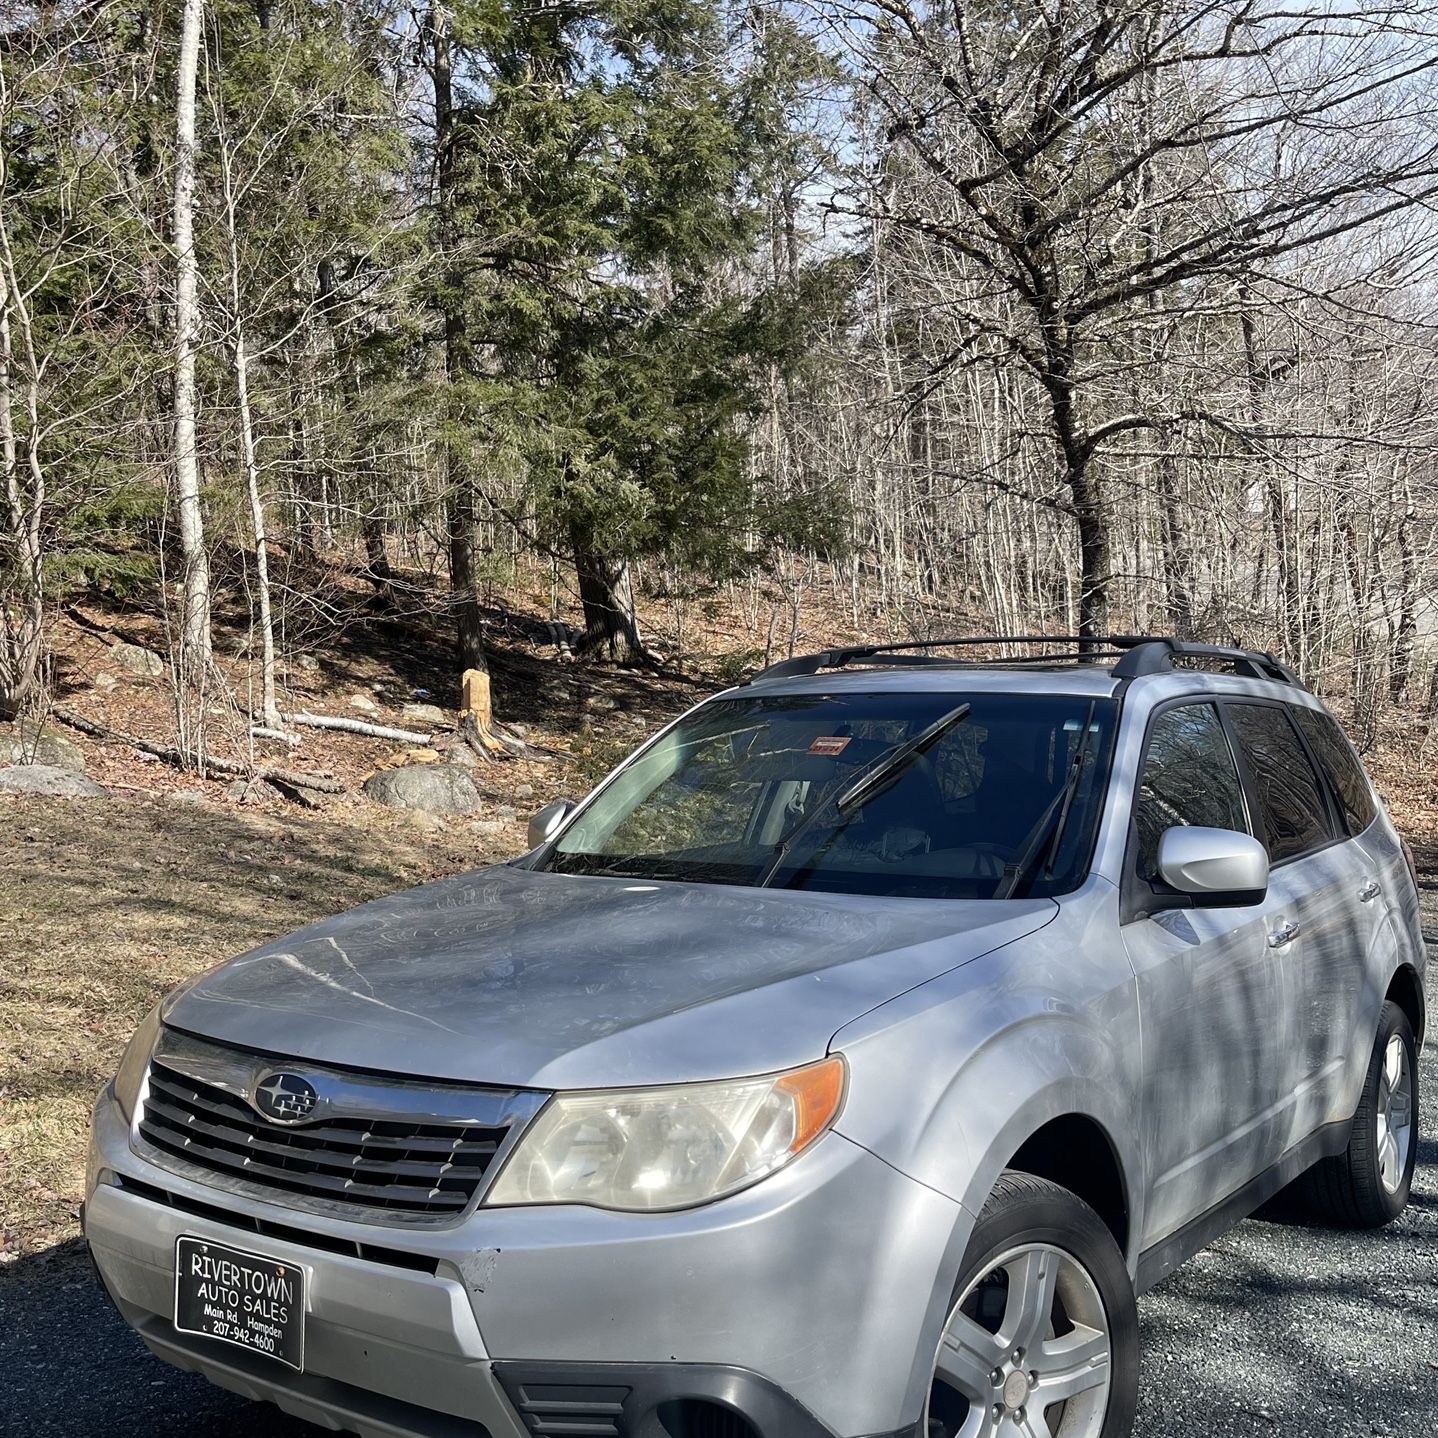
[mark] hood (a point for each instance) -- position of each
(538, 980)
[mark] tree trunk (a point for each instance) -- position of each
(1093, 558)
(269, 703)
(377, 566)
(468, 617)
(1401, 674)
(459, 485)
(269, 710)
(1075, 458)
(22, 610)
(195, 627)
(611, 626)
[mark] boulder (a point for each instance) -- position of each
(31, 743)
(308, 662)
(252, 791)
(425, 714)
(430, 788)
(364, 704)
(144, 662)
(47, 779)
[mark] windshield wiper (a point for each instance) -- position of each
(1016, 872)
(884, 772)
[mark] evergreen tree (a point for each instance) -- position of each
(606, 334)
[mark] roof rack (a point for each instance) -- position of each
(1132, 656)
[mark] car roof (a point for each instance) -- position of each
(1085, 681)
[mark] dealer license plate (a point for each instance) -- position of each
(242, 1298)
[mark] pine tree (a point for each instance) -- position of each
(602, 213)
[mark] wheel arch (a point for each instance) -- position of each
(1076, 1152)
(1406, 990)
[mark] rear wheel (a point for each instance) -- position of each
(1042, 1337)
(1367, 1185)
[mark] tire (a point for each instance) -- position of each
(1042, 1333)
(1367, 1185)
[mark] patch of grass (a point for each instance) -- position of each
(104, 906)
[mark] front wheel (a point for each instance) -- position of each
(1042, 1338)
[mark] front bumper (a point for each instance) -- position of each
(810, 1304)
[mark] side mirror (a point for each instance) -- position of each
(549, 821)
(1214, 868)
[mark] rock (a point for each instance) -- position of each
(31, 743)
(520, 729)
(524, 791)
(144, 662)
(252, 791)
(425, 823)
(433, 788)
(105, 682)
(601, 703)
(188, 796)
(47, 779)
(365, 703)
(461, 753)
(505, 811)
(307, 661)
(425, 714)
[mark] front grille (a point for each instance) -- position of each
(305, 1237)
(390, 1165)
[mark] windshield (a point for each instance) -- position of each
(1000, 801)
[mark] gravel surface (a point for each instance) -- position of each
(1278, 1328)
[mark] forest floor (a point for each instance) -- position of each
(106, 903)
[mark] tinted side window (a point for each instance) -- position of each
(1291, 807)
(1335, 755)
(1189, 778)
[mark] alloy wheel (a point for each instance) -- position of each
(1026, 1353)
(1395, 1115)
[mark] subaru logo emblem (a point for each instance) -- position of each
(286, 1098)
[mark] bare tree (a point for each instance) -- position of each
(195, 620)
(1264, 132)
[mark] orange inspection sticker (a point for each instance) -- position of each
(830, 746)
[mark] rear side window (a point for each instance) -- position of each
(1338, 761)
(1289, 797)
(1189, 778)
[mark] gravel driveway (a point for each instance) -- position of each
(1279, 1328)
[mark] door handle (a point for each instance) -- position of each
(1370, 891)
(1285, 935)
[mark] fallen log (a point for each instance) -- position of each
(169, 754)
(355, 726)
(258, 731)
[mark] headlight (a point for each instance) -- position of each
(636, 1149)
(136, 1060)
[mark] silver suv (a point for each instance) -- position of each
(843, 1065)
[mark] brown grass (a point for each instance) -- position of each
(106, 904)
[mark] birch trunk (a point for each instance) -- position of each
(195, 629)
(22, 618)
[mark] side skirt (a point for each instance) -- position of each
(1156, 1263)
